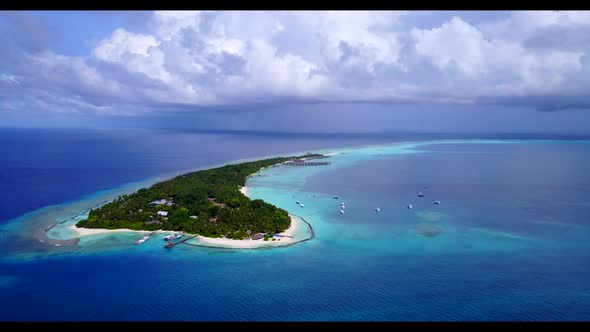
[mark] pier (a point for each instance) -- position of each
(307, 163)
(182, 241)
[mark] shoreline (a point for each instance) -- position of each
(82, 231)
(286, 238)
(244, 191)
(281, 240)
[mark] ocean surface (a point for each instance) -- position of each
(509, 241)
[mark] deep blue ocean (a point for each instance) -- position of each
(509, 241)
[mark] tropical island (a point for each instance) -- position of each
(208, 203)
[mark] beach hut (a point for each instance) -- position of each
(258, 236)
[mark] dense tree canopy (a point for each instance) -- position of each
(206, 202)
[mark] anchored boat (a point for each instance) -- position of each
(142, 240)
(173, 236)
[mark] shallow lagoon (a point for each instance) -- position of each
(513, 245)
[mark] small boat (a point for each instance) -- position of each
(335, 197)
(437, 202)
(341, 203)
(169, 245)
(301, 205)
(173, 236)
(341, 211)
(377, 209)
(410, 206)
(420, 195)
(296, 202)
(141, 241)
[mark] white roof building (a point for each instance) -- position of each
(162, 213)
(162, 202)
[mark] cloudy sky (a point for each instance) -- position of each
(298, 71)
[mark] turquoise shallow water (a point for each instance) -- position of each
(510, 242)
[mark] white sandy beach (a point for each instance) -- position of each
(332, 154)
(81, 231)
(296, 224)
(244, 190)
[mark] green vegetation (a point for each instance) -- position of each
(207, 202)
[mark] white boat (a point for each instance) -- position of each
(173, 236)
(335, 197)
(142, 240)
(410, 206)
(342, 203)
(377, 209)
(437, 202)
(342, 207)
(301, 205)
(341, 211)
(296, 202)
(420, 195)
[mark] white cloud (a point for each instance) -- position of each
(455, 43)
(205, 58)
(8, 79)
(169, 24)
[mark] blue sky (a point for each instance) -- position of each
(298, 71)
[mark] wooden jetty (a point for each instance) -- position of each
(172, 244)
(306, 163)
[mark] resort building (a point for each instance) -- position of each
(162, 202)
(162, 213)
(258, 236)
